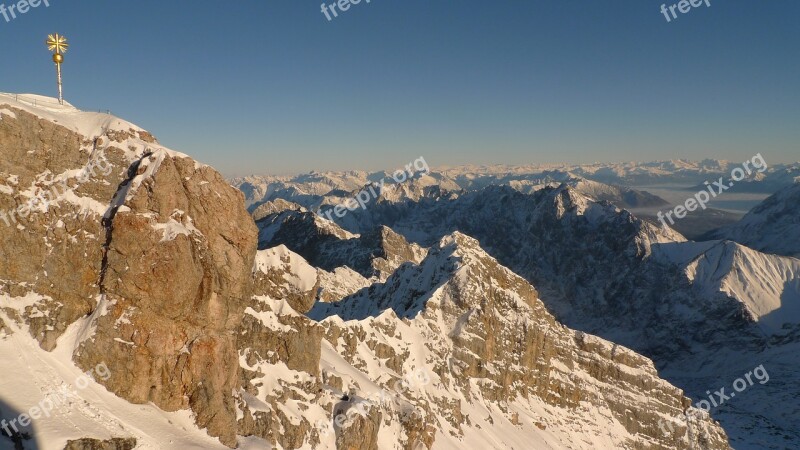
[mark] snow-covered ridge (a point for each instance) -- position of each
(88, 124)
(773, 226)
(91, 125)
(297, 271)
(768, 286)
(461, 306)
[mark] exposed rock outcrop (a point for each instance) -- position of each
(96, 444)
(282, 274)
(325, 245)
(151, 252)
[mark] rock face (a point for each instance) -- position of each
(153, 255)
(53, 184)
(178, 264)
(280, 358)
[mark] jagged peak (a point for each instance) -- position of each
(319, 224)
(755, 279)
(456, 259)
(570, 201)
(281, 257)
(772, 226)
(386, 232)
(459, 241)
(275, 206)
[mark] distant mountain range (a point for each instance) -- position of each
(311, 189)
(703, 311)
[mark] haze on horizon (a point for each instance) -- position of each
(275, 88)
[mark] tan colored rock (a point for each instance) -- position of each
(96, 444)
(360, 430)
(55, 253)
(179, 260)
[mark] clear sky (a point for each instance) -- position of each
(271, 86)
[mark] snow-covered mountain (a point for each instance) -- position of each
(635, 173)
(322, 192)
(327, 246)
(485, 337)
(767, 286)
(772, 227)
(313, 194)
(317, 189)
(604, 271)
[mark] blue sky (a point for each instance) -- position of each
(271, 86)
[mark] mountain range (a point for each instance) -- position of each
(473, 307)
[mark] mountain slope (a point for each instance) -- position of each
(325, 245)
(602, 271)
(768, 286)
(492, 348)
(772, 227)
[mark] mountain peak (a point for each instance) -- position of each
(772, 226)
(136, 257)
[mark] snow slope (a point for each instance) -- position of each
(31, 374)
(767, 285)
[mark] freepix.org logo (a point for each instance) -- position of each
(21, 7)
(684, 6)
(343, 5)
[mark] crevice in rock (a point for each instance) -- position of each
(108, 218)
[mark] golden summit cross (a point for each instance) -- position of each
(57, 44)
